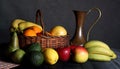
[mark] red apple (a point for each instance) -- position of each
(72, 47)
(80, 54)
(64, 53)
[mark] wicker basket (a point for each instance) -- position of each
(46, 41)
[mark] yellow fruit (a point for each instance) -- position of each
(14, 26)
(16, 22)
(51, 56)
(24, 25)
(99, 43)
(58, 31)
(99, 57)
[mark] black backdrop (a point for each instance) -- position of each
(59, 12)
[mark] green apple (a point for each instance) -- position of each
(18, 55)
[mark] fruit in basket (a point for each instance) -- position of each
(58, 31)
(14, 43)
(29, 32)
(51, 56)
(34, 47)
(80, 54)
(97, 49)
(24, 25)
(64, 53)
(14, 26)
(18, 55)
(35, 58)
(36, 29)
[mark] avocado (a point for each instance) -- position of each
(34, 47)
(35, 58)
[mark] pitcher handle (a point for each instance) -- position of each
(96, 20)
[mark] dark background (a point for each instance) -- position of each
(60, 12)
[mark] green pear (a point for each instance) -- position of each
(14, 43)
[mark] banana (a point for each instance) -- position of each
(99, 57)
(14, 25)
(114, 55)
(96, 43)
(100, 50)
(23, 25)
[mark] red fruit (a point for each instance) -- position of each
(80, 54)
(72, 47)
(64, 53)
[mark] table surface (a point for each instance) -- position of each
(6, 63)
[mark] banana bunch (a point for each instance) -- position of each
(20, 25)
(99, 51)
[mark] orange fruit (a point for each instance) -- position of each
(29, 32)
(36, 29)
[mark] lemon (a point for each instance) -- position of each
(51, 56)
(58, 31)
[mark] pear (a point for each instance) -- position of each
(58, 31)
(14, 43)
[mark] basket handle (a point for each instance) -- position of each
(40, 17)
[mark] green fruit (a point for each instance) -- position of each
(18, 55)
(99, 57)
(34, 47)
(100, 50)
(14, 43)
(36, 58)
(92, 43)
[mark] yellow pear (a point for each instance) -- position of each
(58, 31)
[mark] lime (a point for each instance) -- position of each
(18, 55)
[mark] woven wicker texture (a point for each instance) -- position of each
(45, 41)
